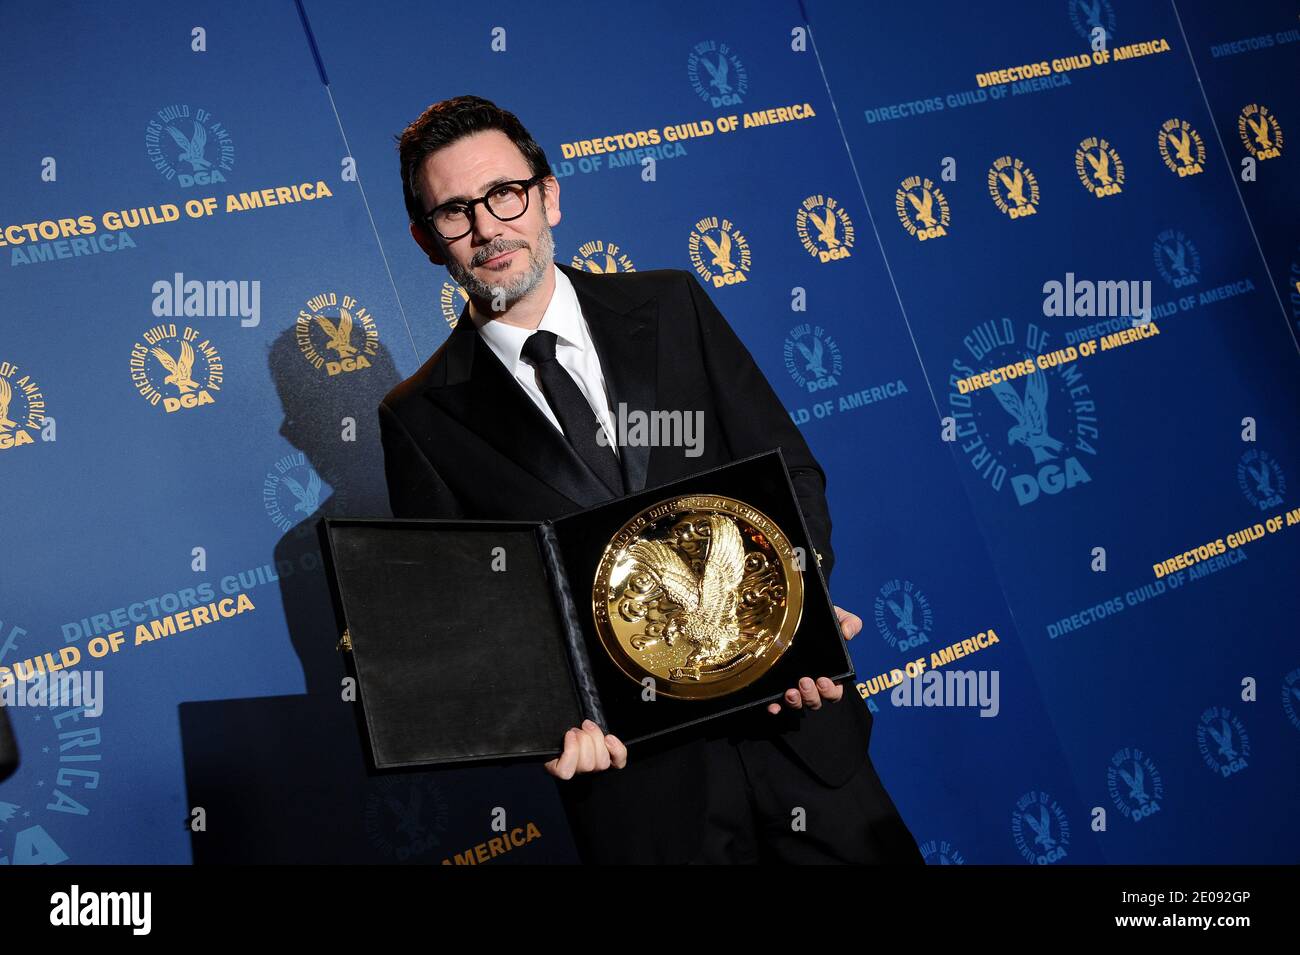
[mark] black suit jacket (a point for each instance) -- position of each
(461, 438)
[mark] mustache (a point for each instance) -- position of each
(492, 253)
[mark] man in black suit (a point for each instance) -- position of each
(504, 422)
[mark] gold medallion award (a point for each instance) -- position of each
(701, 592)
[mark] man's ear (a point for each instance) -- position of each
(426, 240)
(552, 201)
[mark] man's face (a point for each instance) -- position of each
(511, 256)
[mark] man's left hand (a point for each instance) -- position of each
(811, 693)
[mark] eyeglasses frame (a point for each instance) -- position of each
(528, 184)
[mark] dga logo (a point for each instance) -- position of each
(1032, 428)
(328, 337)
(1176, 258)
(22, 408)
(1261, 479)
(903, 615)
(1260, 132)
(941, 853)
(1040, 829)
(175, 367)
(719, 251)
(1088, 15)
(293, 491)
(812, 358)
(1099, 167)
(1291, 697)
(41, 804)
(1014, 187)
(1188, 158)
(716, 74)
(833, 236)
(922, 208)
(1222, 739)
(189, 146)
(54, 791)
(602, 258)
(1134, 784)
(452, 301)
(405, 817)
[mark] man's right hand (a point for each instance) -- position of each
(587, 750)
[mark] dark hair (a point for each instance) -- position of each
(443, 124)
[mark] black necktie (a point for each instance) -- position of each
(576, 416)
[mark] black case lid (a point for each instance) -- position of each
(455, 660)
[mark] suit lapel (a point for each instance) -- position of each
(626, 340)
(480, 394)
(475, 389)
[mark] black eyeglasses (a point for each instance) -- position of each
(505, 200)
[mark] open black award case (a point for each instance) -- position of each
(459, 662)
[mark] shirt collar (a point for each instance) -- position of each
(562, 316)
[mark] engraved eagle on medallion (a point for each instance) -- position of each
(707, 619)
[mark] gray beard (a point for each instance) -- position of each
(541, 256)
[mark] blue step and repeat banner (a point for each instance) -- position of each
(1027, 277)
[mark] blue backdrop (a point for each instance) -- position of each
(865, 161)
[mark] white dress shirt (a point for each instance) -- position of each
(573, 350)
